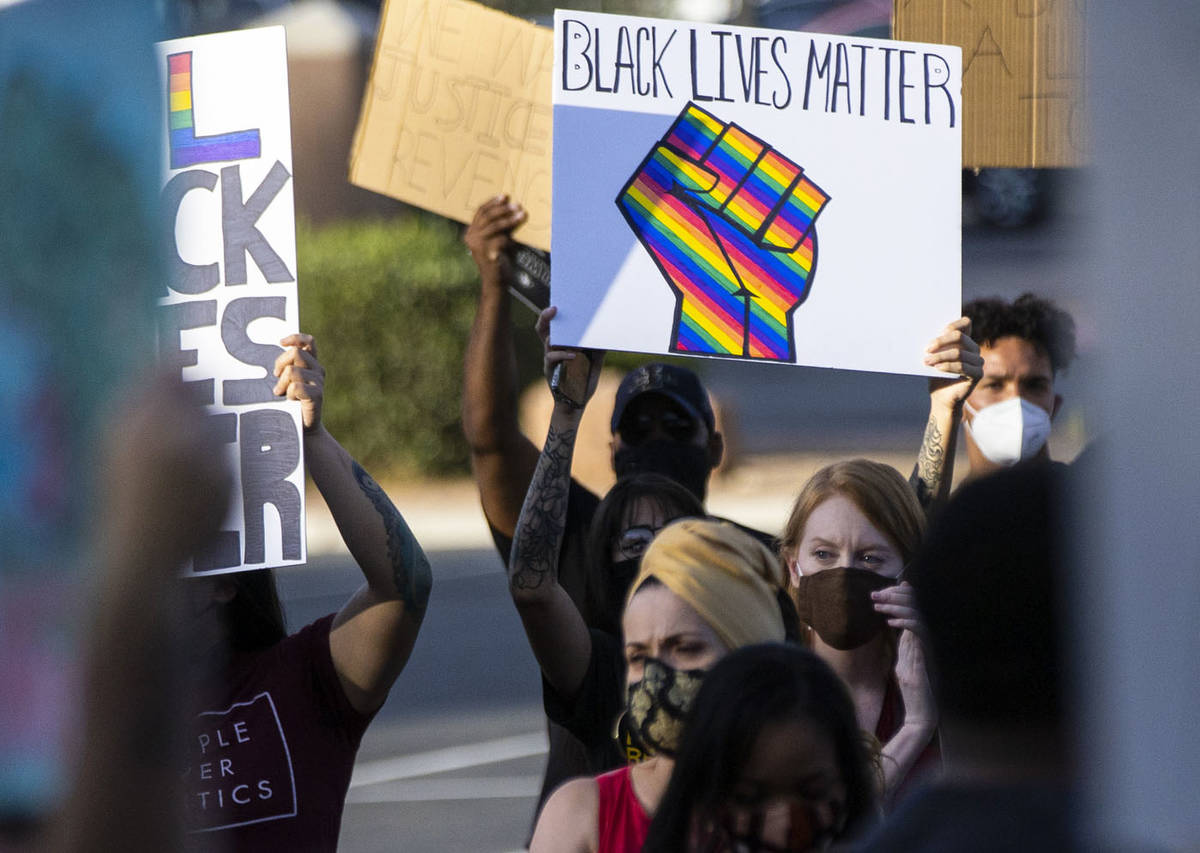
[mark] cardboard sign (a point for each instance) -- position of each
(457, 111)
(1023, 75)
(231, 289)
(754, 194)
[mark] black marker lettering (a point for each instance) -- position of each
(781, 43)
(904, 119)
(821, 67)
(184, 277)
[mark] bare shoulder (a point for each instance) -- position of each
(568, 821)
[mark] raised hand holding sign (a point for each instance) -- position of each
(730, 225)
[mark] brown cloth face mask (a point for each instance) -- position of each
(836, 603)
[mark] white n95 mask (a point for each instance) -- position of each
(1009, 431)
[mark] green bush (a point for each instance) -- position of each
(390, 304)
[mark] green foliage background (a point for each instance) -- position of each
(390, 304)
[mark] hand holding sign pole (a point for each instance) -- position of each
(730, 225)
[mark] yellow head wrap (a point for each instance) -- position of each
(724, 573)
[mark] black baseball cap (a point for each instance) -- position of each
(678, 383)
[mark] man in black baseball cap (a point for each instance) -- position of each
(663, 423)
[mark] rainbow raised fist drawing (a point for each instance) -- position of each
(730, 223)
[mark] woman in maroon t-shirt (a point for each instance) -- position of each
(274, 741)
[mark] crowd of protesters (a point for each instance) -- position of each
(884, 673)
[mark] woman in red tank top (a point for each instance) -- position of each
(704, 589)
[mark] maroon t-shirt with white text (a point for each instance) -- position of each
(269, 760)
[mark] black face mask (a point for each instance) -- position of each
(686, 464)
(837, 604)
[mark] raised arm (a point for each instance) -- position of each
(502, 458)
(374, 633)
(553, 624)
(953, 352)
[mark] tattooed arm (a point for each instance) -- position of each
(953, 352)
(374, 633)
(553, 624)
(928, 479)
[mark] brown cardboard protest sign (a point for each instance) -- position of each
(457, 110)
(1023, 75)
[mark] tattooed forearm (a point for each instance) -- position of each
(410, 567)
(540, 527)
(927, 475)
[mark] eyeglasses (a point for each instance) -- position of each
(635, 540)
(676, 425)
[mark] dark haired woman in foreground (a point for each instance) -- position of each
(771, 760)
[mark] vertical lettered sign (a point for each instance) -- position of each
(230, 289)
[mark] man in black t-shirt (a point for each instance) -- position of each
(662, 422)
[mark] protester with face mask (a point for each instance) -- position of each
(772, 760)
(853, 528)
(578, 660)
(1024, 345)
(662, 424)
(704, 589)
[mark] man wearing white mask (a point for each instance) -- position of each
(1024, 345)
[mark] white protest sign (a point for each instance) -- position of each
(231, 290)
(754, 194)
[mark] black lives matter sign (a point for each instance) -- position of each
(239, 768)
(230, 290)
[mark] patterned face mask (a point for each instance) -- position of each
(658, 705)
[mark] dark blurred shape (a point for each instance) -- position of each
(987, 582)
(748, 704)
(80, 108)
(990, 583)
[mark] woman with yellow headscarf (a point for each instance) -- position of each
(705, 588)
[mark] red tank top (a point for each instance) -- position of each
(622, 821)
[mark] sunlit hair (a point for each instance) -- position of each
(879, 492)
(749, 690)
(1030, 318)
(671, 500)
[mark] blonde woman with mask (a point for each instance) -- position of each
(704, 589)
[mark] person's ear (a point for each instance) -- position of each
(1057, 405)
(789, 562)
(716, 450)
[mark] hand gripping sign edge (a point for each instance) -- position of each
(729, 223)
